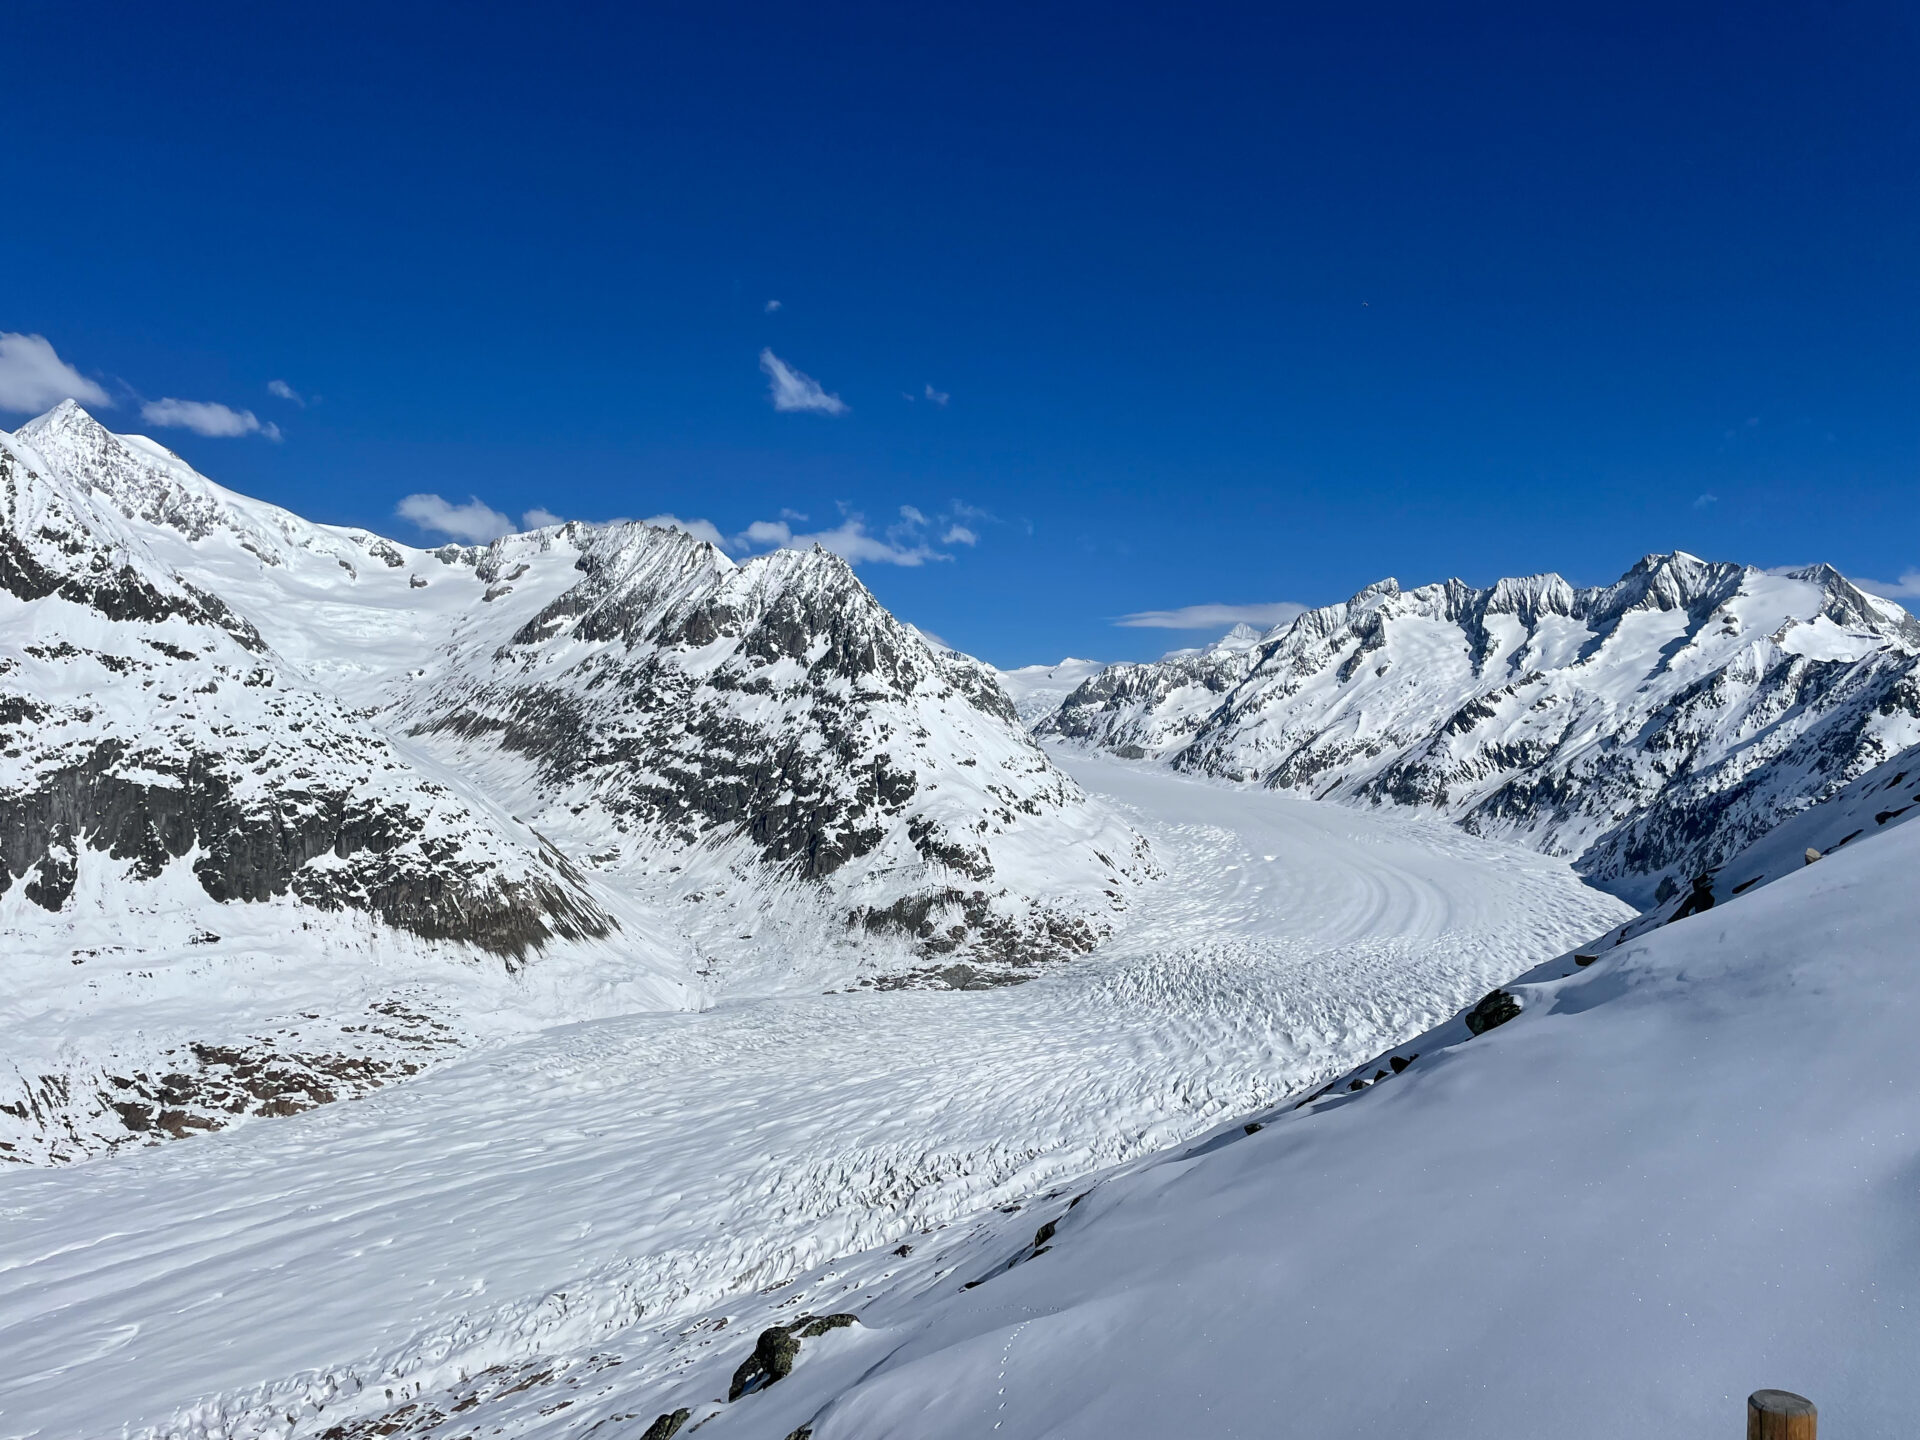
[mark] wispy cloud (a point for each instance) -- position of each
(938, 397)
(907, 541)
(475, 522)
(281, 390)
(207, 417)
(1907, 586)
(772, 306)
(793, 391)
(1213, 617)
(33, 378)
(1701, 502)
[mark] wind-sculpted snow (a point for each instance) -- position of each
(595, 1188)
(1650, 728)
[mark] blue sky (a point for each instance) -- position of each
(1137, 309)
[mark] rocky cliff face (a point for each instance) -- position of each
(1650, 727)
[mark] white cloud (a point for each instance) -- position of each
(475, 522)
(281, 390)
(206, 417)
(539, 517)
(939, 397)
(792, 390)
(852, 542)
(1907, 586)
(700, 529)
(33, 378)
(1701, 502)
(906, 542)
(772, 305)
(766, 534)
(1213, 617)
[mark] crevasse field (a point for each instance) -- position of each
(598, 1199)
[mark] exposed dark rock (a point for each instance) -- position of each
(667, 1426)
(777, 1348)
(1700, 899)
(771, 1361)
(1495, 1008)
(1044, 1234)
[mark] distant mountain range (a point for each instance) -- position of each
(1650, 728)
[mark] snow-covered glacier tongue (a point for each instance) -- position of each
(1649, 728)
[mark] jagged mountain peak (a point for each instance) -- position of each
(143, 479)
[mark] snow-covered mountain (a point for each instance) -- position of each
(1651, 727)
(263, 782)
(1037, 690)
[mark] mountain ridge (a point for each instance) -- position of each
(1649, 727)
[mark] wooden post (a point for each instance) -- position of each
(1780, 1415)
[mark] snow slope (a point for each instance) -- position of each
(586, 1191)
(1683, 1172)
(1650, 728)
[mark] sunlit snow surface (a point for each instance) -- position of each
(532, 1203)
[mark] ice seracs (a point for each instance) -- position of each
(1650, 727)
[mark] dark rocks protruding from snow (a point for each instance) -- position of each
(1495, 1008)
(1700, 899)
(771, 1361)
(667, 1426)
(776, 1350)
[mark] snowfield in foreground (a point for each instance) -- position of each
(1686, 1171)
(594, 1190)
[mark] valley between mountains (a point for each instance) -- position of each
(479, 990)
